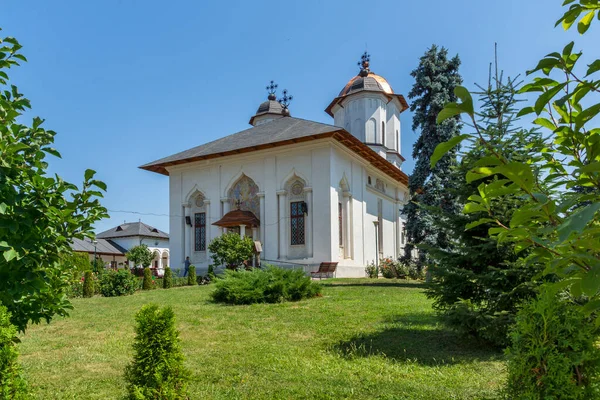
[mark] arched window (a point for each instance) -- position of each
(298, 210)
(199, 223)
(371, 134)
(383, 133)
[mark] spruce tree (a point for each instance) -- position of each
(476, 282)
(435, 80)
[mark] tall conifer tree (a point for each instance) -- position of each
(435, 80)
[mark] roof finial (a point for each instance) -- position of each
(364, 64)
(272, 88)
(285, 102)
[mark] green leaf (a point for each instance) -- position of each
(593, 67)
(479, 173)
(545, 97)
(3, 207)
(10, 254)
(449, 111)
(586, 115)
(591, 167)
(519, 173)
(545, 122)
(590, 284)
(467, 101)
(584, 23)
(473, 208)
(442, 148)
(525, 111)
(577, 221)
(481, 221)
(89, 174)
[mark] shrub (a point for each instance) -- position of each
(118, 283)
(270, 285)
(157, 370)
(88, 284)
(191, 276)
(371, 270)
(211, 272)
(97, 265)
(553, 354)
(147, 282)
(12, 384)
(168, 279)
(179, 281)
(231, 250)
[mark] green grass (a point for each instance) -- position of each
(361, 340)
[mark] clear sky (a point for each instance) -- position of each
(125, 82)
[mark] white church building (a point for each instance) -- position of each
(309, 192)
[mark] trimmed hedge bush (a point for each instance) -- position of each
(270, 285)
(88, 284)
(157, 370)
(554, 353)
(192, 276)
(147, 283)
(168, 279)
(118, 283)
(12, 384)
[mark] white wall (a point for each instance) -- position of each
(321, 165)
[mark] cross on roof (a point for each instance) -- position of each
(364, 59)
(285, 100)
(272, 88)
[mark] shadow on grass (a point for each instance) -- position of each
(418, 338)
(382, 283)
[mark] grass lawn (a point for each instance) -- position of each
(361, 340)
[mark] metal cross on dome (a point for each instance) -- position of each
(272, 88)
(285, 100)
(364, 59)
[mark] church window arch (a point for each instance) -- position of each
(298, 210)
(383, 133)
(371, 131)
(358, 128)
(199, 221)
(245, 191)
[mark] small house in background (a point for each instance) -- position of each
(111, 245)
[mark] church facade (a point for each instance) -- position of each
(308, 192)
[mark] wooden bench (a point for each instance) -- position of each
(326, 268)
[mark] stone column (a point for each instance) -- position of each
(347, 198)
(242, 231)
(282, 221)
(309, 221)
(187, 231)
(226, 208)
(263, 220)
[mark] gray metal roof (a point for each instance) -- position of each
(279, 130)
(103, 246)
(133, 229)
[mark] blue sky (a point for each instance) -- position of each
(125, 82)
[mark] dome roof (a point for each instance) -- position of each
(269, 107)
(372, 82)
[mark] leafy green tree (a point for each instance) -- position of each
(140, 255)
(157, 370)
(39, 214)
(476, 283)
(435, 80)
(557, 222)
(191, 278)
(231, 250)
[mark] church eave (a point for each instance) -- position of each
(342, 136)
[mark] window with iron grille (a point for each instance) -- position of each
(200, 232)
(341, 224)
(297, 222)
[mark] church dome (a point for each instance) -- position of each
(372, 82)
(269, 107)
(272, 108)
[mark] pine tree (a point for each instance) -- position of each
(435, 80)
(477, 283)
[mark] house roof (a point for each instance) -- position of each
(133, 229)
(279, 132)
(103, 247)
